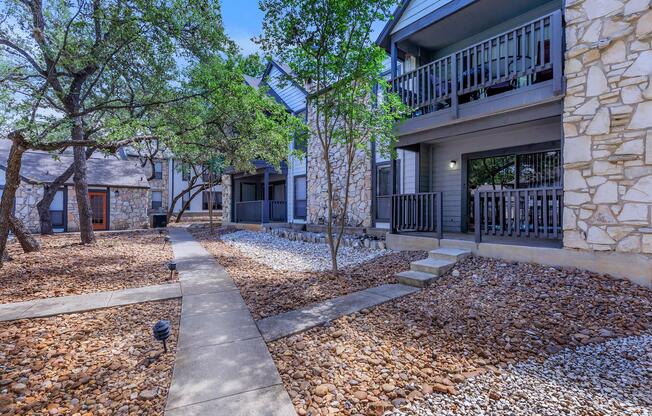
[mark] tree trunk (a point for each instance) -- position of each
(12, 181)
(185, 206)
(81, 186)
(26, 240)
(43, 205)
(210, 203)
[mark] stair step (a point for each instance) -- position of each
(432, 266)
(416, 279)
(449, 253)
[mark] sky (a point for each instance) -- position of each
(243, 20)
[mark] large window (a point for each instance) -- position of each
(300, 197)
(57, 210)
(217, 200)
(157, 199)
(158, 170)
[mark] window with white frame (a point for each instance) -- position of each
(157, 199)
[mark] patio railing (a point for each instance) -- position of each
(252, 211)
(519, 213)
(522, 56)
(420, 212)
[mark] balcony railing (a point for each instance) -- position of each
(420, 212)
(522, 56)
(252, 211)
(519, 213)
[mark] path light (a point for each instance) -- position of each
(166, 240)
(172, 267)
(162, 332)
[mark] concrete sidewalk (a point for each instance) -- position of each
(222, 363)
(298, 320)
(39, 308)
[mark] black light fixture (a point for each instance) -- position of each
(172, 267)
(166, 240)
(452, 164)
(162, 332)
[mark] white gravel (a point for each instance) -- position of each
(612, 378)
(281, 254)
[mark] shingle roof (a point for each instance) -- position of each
(39, 167)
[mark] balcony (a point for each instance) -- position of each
(517, 68)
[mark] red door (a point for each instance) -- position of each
(98, 206)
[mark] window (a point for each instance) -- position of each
(185, 172)
(206, 175)
(157, 199)
(57, 210)
(384, 191)
(158, 170)
(300, 197)
(217, 200)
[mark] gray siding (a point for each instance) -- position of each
(449, 181)
(416, 10)
(289, 93)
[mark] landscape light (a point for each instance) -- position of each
(162, 332)
(172, 267)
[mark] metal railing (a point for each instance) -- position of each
(521, 56)
(534, 213)
(249, 211)
(277, 211)
(420, 212)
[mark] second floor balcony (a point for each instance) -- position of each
(516, 68)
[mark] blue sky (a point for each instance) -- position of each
(243, 20)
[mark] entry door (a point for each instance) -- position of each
(98, 206)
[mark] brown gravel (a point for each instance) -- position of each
(64, 267)
(94, 363)
(269, 292)
(492, 314)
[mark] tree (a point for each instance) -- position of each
(64, 64)
(327, 44)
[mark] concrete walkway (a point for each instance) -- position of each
(222, 364)
(39, 308)
(292, 322)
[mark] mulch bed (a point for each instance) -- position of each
(94, 363)
(492, 314)
(65, 267)
(269, 292)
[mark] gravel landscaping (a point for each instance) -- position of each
(268, 291)
(297, 256)
(95, 363)
(64, 267)
(612, 378)
(490, 315)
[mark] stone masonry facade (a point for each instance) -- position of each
(359, 210)
(607, 125)
(226, 198)
(27, 196)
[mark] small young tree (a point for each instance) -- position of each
(327, 44)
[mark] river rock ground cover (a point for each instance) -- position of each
(479, 320)
(64, 267)
(269, 291)
(94, 363)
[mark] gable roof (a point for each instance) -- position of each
(286, 90)
(44, 168)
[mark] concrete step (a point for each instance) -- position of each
(432, 266)
(450, 253)
(463, 244)
(416, 279)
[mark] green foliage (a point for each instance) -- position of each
(108, 61)
(327, 44)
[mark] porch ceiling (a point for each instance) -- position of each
(475, 18)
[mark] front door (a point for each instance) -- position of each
(98, 206)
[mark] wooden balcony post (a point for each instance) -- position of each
(476, 216)
(440, 215)
(265, 213)
(394, 60)
(557, 51)
(454, 78)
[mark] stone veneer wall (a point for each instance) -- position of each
(128, 210)
(27, 196)
(608, 126)
(359, 211)
(226, 198)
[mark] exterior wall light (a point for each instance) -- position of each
(452, 164)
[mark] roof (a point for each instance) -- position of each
(252, 81)
(41, 167)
